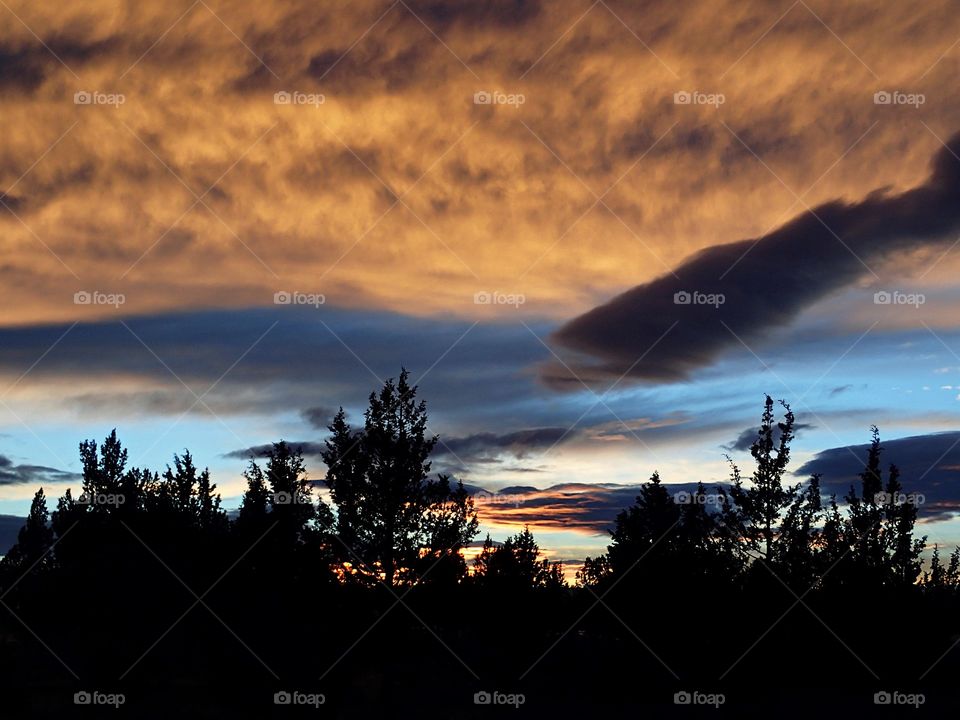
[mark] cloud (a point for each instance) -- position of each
(578, 507)
(305, 197)
(746, 438)
(307, 447)
(13, 474)
(318, 417)
(929, 465)
(727, 296)
(261, 361)
(488, 447)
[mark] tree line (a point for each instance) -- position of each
(390, 534)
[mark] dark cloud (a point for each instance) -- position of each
(299, 346)
(496, 13)
(12, 474)
(489, 447)
(318, 417)
(25, 67)
(308, 448)
(21, 70)
(765, 282)
(839, 390)
(745, 439)
(929, 465)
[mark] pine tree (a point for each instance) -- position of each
(757, 510)
(388, 512)
(34, 539)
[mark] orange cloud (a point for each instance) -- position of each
(398, 191)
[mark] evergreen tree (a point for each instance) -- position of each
(756, 511)
(389, 512)
(34, 539)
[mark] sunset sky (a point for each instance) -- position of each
(222, 220)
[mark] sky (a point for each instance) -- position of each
(595, 233)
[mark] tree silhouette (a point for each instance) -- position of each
(34, 539)
(757, 510)
(516, 565)
(687, 573)
(389, 513)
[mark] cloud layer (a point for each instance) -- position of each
(729, 296)
(398, 191)
(929, 465)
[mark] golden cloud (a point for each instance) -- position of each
(399, 190)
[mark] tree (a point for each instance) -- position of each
(515, 565)
(594, 571)
(388, 512)
(278, 513)
(757, 510)
(291, 495)
(34, 539)
(103, 473)
(942, 578)
(648, 527)
(879, 529)
(449, 524)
